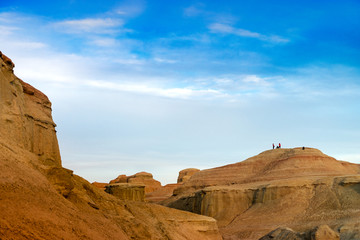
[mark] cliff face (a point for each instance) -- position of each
(294, 188)
(41, 200)
(26, 116)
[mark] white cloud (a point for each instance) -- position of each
(163, 60)
(28, 45)
(91, 25)
(227, 29)
(182, 93)
(6, 30)
(104, 42)
(130, 8)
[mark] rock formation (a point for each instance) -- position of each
(186, 174)
(162, 193)
(41, 200)
(126, 191)
(167, 191)
(141, 178)
(295, 188)
(323, 232)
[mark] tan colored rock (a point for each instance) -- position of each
(41, 200)
(295, 188)
(141, 178)
(282, 234)
(127, 191)
(119, 179)
(162, 193)
(186, 174)
(324, 232)
(100, 185)
(25, 116)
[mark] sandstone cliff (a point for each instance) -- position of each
(41, 200)
(294, 188)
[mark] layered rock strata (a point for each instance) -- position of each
(41, 200)
(141, 178)
(126, 191)
(294, 188)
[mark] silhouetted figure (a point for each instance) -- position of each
(303, 148)
(273, 146)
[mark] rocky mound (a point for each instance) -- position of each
(295, 188)
(41, 200)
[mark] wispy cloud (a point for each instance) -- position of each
(164, 60)
(193, 10)
(228, 29)
(180, 93)
(130, 8)
(91, 25)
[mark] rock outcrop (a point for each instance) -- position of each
(186, 174)
(26, 116)
(294, 188)
(282, 234)
(323, 232)
(141, 178)
(41, 200)
(127, 191)
(162, 193)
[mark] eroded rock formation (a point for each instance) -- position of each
(141, 178)
(162, 193)
(127, 191)
(186, 174)
(295, 188)
(322, 232)
(41, 200)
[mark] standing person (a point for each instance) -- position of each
(279, 145)
(273, 146)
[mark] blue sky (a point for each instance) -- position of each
(160, 86)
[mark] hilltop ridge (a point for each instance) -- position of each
(297, 188)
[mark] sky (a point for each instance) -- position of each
(160, 86)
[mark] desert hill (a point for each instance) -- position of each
(295, 188)
(39, 199)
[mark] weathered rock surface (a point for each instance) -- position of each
(141, 178)
(323, 232)
(186, 174)
(296, 188)
(26, 116)
(282, 234)
(165, 192)
(100, 185)
(162, 193)
(41, 200)
(127, 191)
